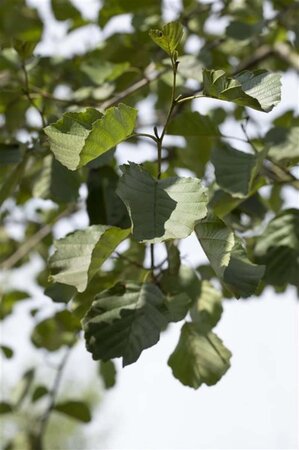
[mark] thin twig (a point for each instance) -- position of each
(39, 437)
(25, 248)
(28, 93)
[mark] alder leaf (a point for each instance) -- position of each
(169, 37)
(123, 321)
(259, 90)
(75, 409)
(199, 358)
(228, 257)
(192, 123)
(207, 310)
(79, 255)
(235, 171)
(78, 138)
(161, 209)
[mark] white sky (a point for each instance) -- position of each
(254, 406)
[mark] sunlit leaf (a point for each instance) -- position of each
(167, 209)
(228, 257)
(208, 308)
(79, 255)
(259, 90)
(169, 37)
(78, 138)
(199, 358)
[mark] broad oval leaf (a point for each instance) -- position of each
(79, 255)
(278, 248)
(259, 89)
(75, 409)
(207, 309)
(169, 37)
(78, 138)
(228, 257)
(192, 123)
(161, 209)
(199, 358)
(123, 321)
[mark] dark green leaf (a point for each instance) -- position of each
(207, 310)
(167, 209)
(39, 392)
(7, 351)
(228, 257)
(123, 321)
(192, 123)
(107, 371)
(5, 408)
(75, 409)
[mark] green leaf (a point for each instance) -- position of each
(123, 321)
(207, 310)
(64, 10)
(177, 307)
(192, 123)
(259, 90)
(228, 257)
(7, 351)
(278, 248)
(107, 371)
(283, 144)
(78, 138)
(5, 408)
(169, 37)
(185, 281)
(60, 293)
(8, 301)
(56, 331)
(12, 179)
(167, 209)
(23, 387)
(39, 392)
(199, 358)
(79, 255)
(235, 171)
(75, 409)
(57, 183)
(10, 153)
(103, 205)
(112, 8)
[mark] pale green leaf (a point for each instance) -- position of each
(79, 255)
(169, 37)
(259, 90)
(78, 138)
(199, 358)
(123, 321)
(161, 209)
(208, 308)
(228, 257)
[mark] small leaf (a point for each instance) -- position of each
(107, 371)
(199, 358)
(60, 293)
(5, 408)
(78, 138)
(76, 409)
(123, 321)
(79, 255)
(7, 351)
(167, 209)
(169, 37)
(207, 310)
(259, 90)
(39, 392)
(228, 257)
(56, 331)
